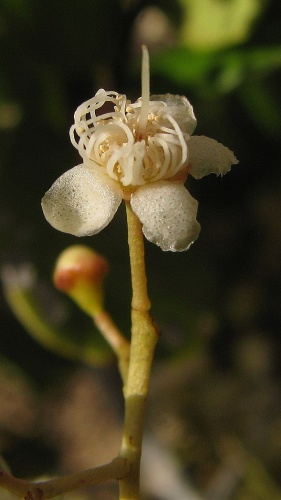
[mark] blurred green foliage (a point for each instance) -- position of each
(211, 24)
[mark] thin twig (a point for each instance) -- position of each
(28, 490)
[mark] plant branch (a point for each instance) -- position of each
(115, 339)
(54, 487)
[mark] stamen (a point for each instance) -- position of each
(144, 94)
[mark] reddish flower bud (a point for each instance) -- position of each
(79, 272)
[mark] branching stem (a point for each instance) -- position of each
(54, 487)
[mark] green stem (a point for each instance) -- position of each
(143, 342)
(115, 339)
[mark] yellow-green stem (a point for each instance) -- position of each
(143, 341)
(116, 340)
(51, 488)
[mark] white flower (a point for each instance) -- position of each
(141, 152)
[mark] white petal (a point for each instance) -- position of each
(207, 156)
(81, 202)
(168, 214)
(180, 109)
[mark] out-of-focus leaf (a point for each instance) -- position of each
(222, 71)
(80, 345)
(213, 24)
(183, 66)
(238, 65)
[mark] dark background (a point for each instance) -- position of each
(216, 393)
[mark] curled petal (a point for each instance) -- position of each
(81, 202)
(207, 156)
(168, 214)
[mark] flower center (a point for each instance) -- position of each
(133, 143)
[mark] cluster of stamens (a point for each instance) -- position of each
(129, 154)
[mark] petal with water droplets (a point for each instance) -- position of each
(81, 202)
(168, 214)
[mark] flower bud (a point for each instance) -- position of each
(79, 272)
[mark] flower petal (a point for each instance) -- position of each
(168, 214)
(207, 156)
(179, 108)
(81, 202)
